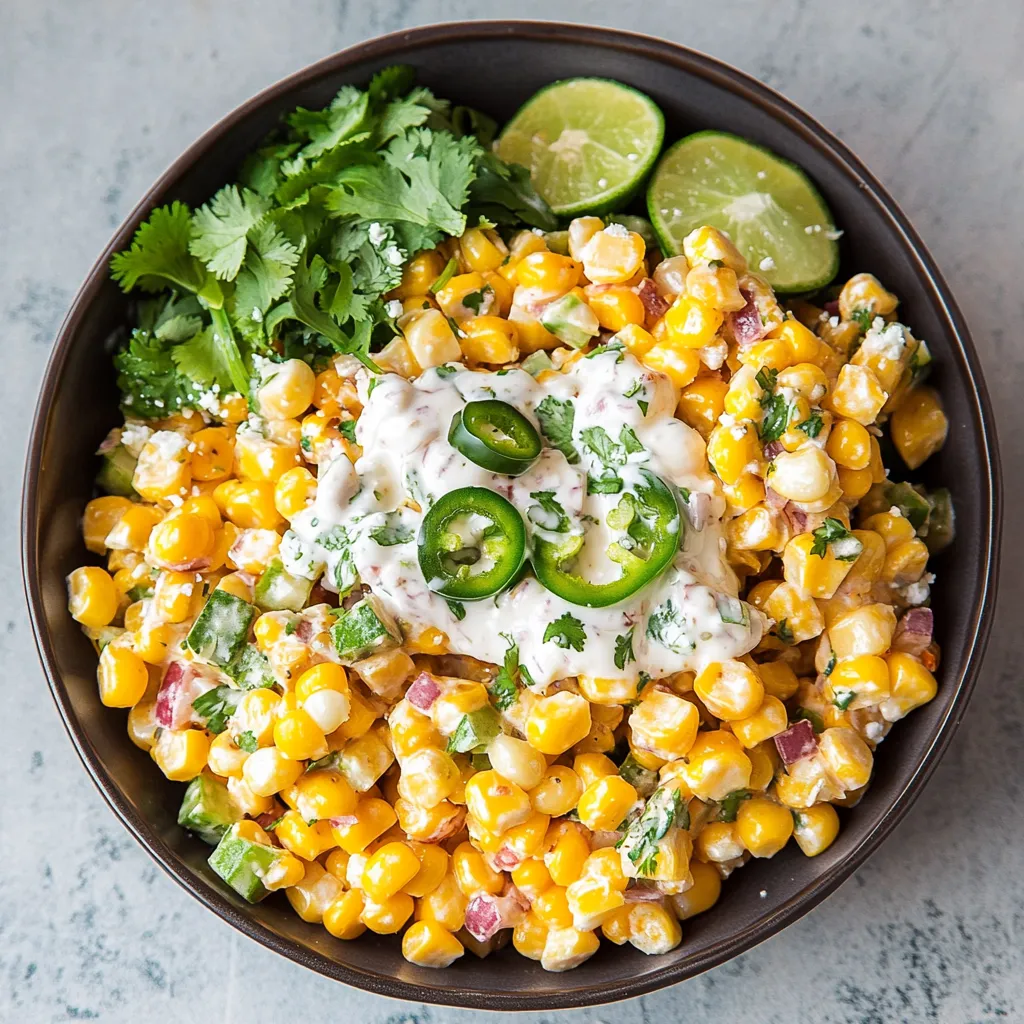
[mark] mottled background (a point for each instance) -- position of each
(98, 96)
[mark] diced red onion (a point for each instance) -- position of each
(268, 817)
(506, 859)
(193, 565)
(344, 821)
(773, 448)
(745, 323)
(654, 304)
(832, 308)
(423, 692)
(773, 499)
(914, 632)
(305, 630)
(487, 915)
(110, 442)
(698, 509)
(798, 518)
(797, 742)
(447, 828)
(174, 698)
(643, 894)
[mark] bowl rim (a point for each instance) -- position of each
(403, 44)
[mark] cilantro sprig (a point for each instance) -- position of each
(566, 631)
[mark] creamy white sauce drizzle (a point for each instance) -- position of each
(403, 431)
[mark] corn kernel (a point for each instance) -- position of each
(702, 895)
(122, 677)
(815, 828)
(558, 792)
(611, 255)
(100, 517)
(716, 766)
(858, 395)
(605, 802)
(181, 754)
(495, 802)
(729, 689)
(919, 426)
(763, 826)
(847, 756)
(769, 720)
(428, 944)
(734, 450)
(343, 918)
(529, 936)
(557, 722)
(92, 597)
(911, 686)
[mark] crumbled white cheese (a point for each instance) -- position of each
(874, 731)
(766, 264)
(168, 444)
(887, 340)
(833, 234)
(134, 436)
(895, 510)
(617, 231)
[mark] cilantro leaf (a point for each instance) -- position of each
(863, 318)
(766, 377)
(828, 533)
(812, 425)
(504, 690)
(474, 300)
(202, 361)
(729, 805)
(629, 441)
(159, 254)
(347, 429)
(328, 128)
(600, 443)
(393, 531)
(265, 276)
(783, 632)
(548, 513)
(556, 417)
(667, 626)
(624, 650)
(457, 608)
(216, 706)
(150, 382)
(504, 194)
(220, 229)
(844, 698)
(664, 808)
(247, 741)
(566, 631)
(608, 482)
(775, 419)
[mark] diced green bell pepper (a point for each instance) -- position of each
(365, 629)
(536, 363)
(571, 320)
(278, 590)
(221, 629)
(250, 669)
(208, 809)
(914, 505)
(475, 731)
(244, 864)
(642, 779)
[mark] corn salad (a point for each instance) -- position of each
(582, 809)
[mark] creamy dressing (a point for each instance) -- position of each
(365, 520)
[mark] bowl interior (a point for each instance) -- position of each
(495, 68)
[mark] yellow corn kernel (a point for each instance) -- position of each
(495, 802)
(607, 691)
(287, 391)
(122, 676)
(680, 365)
(181, 541)
(152, 642)
(558, 792)
(373, 818)
(858, 395)
(521, 245)
(462, 698)
(388, 870)
(815, 828)
(552, 908)
(268, 771)
(593, 766)
(411, 730)
(482, 250)
(568, 850)
(863, 291)
(616, 306)
(386, 917)
(763, 826)
(818, 575)
(320, 795)
(771, 353)
(430, 338)
(664, 723)
(803, 476)
(802, 343)
(706, 244)
(605, 802)
(767, 721)
(428, 777)
(758, 529)
(849, 445)
(557, 722)
(531, 877)
(854, 482)
(433, 866)
(100, 517)
(255, 713)
(257, 458)
(173, 595)
(367, 758)
(702, 895)
(343, 918)
(764, 760)
(611, 256)
(163, 467)
(847, 757)
(333, 393)
(715, 287)
(305, 841)
(450, 297)
(472, 872)
(446, 904)
(729, 689)
(517, 761)
(718, 842)
(743, 399)
(249, 504)
(181, 754)
(428, 944)
(298, 737)
(691, 324)
(581, 231)
(419, 274)
(734, 450)
(716, 765)
(232, 408)
(591, 900)
(778, 678)
(314, 893)
(802, 617)
(701, 403)
(743, 495)
(919, 426)
(294, 491)
(865, 630)
(652, 929)
(92, 597)
(529, 936)
(225, 757)
(911, 686)
(489, 339)
(905, 563)
(131, 531)
(548, 272)
(361, 716)
(246, 799)
(385, 673)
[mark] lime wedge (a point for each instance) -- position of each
(587, 142)
(768, 207)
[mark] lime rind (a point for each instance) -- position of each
(587, 142)
(767, 205)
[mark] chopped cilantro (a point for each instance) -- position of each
(550, 515)
(812, 425)
(445, 276)
(643, 406)
(844, 698)
(730, 804)
(348, 430)
(667, 626)
(247, 741)
(566, 631)
(767, 378)
(624, 650)
(457, 608)
(663, 809)
(783, 632)
(556, 418)
(216, 706)
(504, 690)
(831, 664)
(829, 532)
(863, 318)
(392, 531)
(474, 300)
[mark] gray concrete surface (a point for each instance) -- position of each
(98, 96)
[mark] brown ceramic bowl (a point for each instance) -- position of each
(495, 66)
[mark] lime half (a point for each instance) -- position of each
(768, 207)
(588, 143)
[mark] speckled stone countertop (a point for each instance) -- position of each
(97, 98)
